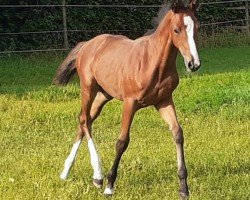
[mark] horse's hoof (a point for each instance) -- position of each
(108, 191)
(184, 196)
(98, 183)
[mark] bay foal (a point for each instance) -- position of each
(140, 73)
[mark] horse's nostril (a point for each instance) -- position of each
(193, 66)
(190, 65)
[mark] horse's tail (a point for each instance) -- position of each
(67, 69)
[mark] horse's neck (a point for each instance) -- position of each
(163, 47)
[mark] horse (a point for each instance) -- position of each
(140, 73)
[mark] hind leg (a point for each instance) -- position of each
(71, 158)
(100, 100)
(84, 129)
(90, 111)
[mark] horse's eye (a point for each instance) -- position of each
(177, 31)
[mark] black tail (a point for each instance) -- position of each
(67, 69)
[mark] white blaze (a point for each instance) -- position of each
(190, 33)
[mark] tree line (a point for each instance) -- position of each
(132, 22)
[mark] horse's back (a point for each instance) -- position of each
(99, 46)
(115, 61)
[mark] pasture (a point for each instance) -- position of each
(39, 120)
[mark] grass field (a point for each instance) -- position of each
(38, 125)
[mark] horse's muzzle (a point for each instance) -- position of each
(194, 66)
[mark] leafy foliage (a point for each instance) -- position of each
(131, 22)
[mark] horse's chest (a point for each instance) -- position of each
(158, 90)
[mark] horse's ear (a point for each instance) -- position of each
(176, 5)
(194, 5)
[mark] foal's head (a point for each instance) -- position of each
(184, 28)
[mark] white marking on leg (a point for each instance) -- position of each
(108, 191)
(70, 160)
(95, 160)
(190, 33)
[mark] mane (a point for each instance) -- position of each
(160, 15)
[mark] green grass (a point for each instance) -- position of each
(38, 125)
